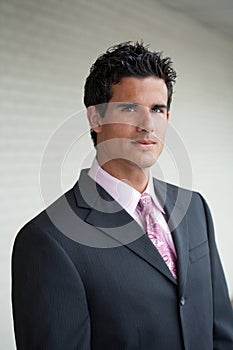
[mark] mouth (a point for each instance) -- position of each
(145, 143)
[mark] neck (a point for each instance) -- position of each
(127, 172)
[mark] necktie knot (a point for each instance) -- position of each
(145, 199)
(145, 204)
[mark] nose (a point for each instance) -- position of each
(145, 121)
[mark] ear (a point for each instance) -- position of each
(94, 119)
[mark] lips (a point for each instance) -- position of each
(146, 142)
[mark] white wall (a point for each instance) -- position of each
(46, 50)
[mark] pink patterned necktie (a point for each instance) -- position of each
(155, 232)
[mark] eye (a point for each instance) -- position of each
(129, 109)
(157, 110)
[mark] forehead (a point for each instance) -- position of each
(144, 91)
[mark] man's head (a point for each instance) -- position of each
(120, 61)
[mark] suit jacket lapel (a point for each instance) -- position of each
(107, 216)
(175, 202)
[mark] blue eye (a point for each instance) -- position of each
(129, 109)
(157, 110)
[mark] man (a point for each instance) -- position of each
(122, 260)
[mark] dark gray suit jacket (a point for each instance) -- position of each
(86, 276)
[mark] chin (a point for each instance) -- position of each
(145, 163)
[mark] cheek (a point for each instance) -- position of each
(160, 128)
(121, 131)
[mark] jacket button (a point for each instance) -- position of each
(182, 301)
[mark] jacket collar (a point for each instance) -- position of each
(107, 216)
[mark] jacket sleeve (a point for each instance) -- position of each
(222, 309)
(49, 302)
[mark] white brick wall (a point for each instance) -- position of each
(46, 49)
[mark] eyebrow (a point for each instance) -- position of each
(157, 105)
(135, 104)
(128, 104)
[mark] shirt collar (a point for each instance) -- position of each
(151, 191)
(127, 196)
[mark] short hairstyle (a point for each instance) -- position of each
(126, 59)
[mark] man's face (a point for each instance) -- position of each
(132, 131)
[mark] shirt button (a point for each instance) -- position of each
(182, 301)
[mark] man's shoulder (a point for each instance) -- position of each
(47, 221)
(172, 187)
(186, 199)
(58, 207)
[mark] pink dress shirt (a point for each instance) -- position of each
(128, 198)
